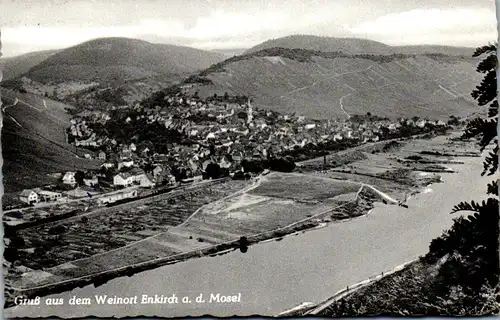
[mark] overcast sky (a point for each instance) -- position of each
(32, 25)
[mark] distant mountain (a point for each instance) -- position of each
(109, 59)
(34, 142)
(326, 44)
(230, 52)
(333, 84)
(356, 46)
(13, 67)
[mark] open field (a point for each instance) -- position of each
(100, 232)
(167, 227)
(46, 246)
(303, 187)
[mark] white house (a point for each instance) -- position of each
(90, 181)
(157, 170)
(347, 134)
(102, 155)
(28, 196)
(126, 163)
(171, 180)
(69, 178)
(146, 181)
(225, 163)
(108, 165)
(420, 123)
(123, 179)
(210, 136)
(310, 126)
(49, 195)
(137, 174)
(117, 196)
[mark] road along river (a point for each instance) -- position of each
(278, 275)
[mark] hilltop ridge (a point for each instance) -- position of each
(356, 46)
(13, 67)
(117, 58)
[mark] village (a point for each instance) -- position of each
(181, 139)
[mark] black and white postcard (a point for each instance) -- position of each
(244, 157)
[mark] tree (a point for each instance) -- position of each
(486, 214)
(242, 115)
(472, 242)
(17, 241)
(179, 173)
(213, 170)
(282, 164)
(385, 132)
(10, 254)
(453, 121)
(79, 176)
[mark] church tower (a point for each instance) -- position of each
(249, 112)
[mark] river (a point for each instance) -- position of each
(278, 275)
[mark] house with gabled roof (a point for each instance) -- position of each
(125, 163)
(45, 195)
(147, 181)
(102, 155)
(123, 179)
(158, 169)
(28, 196)
(69, 178)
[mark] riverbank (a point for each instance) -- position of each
(415, 290)
(324, 307)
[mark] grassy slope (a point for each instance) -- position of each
(117, 58)
(317, 87)
(33, 142)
